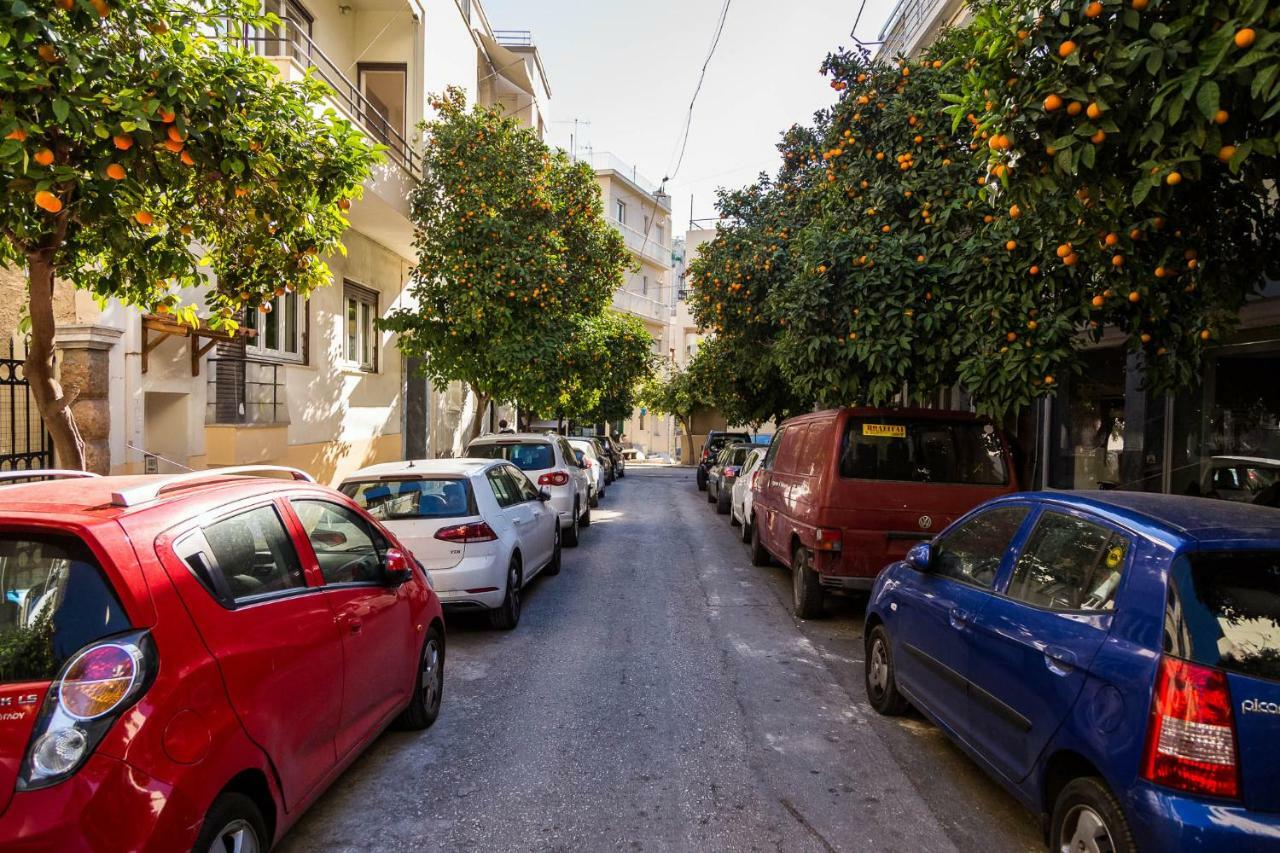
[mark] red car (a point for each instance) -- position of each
(188, 662)
(845, 492)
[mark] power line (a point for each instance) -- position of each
(702, 75)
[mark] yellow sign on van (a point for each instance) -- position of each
(885, 430)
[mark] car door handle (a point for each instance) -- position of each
(959, 618)
(1059, 661)
(354, 625)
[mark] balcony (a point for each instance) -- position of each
(245, 391)
(600, 160)
(645, 307)
(911, 22)
(513, 38)
(291, 49)
(647, 248)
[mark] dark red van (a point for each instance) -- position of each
(844, 492)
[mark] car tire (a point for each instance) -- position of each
(702, 481)
(553, 567)
(233, 822)
(584, 520)
(880, 677)
(1085, 811)
(722, 502)
(710, 497)
(424, 706)
(806, 591)
(595, 500)
(570, 534)
(733, 517)
(746, 531)
(507, 616)
(760, 555)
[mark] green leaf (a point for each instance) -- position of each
(1208, 98)
(1087, 156)
(61, 109)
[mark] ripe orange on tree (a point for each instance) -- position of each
(124, 143)
(47, 201)
(115, 172)
(1068, 47)
(1245, 38)
(44, 157)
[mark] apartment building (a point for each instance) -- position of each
(318, 386)
(641, 212)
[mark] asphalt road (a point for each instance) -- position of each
(658, 695)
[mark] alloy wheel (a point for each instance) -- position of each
(1084, 831)
(238, 836)
(513, 591)
(431, 674)
(879, 672)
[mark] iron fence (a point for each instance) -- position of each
(245, 391)
(24, 442)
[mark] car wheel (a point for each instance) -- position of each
(1087, 817)
(507, 616)
(746, 531)
(553, 567)
(760, 555)
(702, 481)
(805, 589)
(424, 706)
(584, 520)
(733, 516)
(882, 681)
(233, 823)
(722, 502)
(595, 500)
(570, 533)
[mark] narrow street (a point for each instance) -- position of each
(658, 695)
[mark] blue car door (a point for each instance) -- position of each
(930, 636)
(1033, 643)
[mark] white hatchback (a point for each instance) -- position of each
(548, 460)
(594, 465)
(741, 504)
(479, 527)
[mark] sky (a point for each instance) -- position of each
(626, 71)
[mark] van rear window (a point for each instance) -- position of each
(54, 601)
(1224, 611)
(923, 452)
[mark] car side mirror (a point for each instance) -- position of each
(920, 557)
(544, 495)
(396, 568)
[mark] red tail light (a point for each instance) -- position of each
(476, 531)
(731, 471)
(705, 453)
(1191, 739)
(586, 463)
(554, 478)
(828, 539)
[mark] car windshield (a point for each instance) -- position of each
(924, 451)
(525, 455)
(1224, 610)
(54, 602)
(389, 500)
(738, 455)
(717, 442)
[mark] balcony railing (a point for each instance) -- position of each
(608, 160)
(292, 42)
(245, 391)
(907, 24)
(513, 38)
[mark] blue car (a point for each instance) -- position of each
(1112, 658)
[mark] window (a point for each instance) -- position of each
(388, 500)
(772, 453)
(972, 552)
(1069, 564)
(525, 455)
(252, 553)
(567, 453)
(525, 489)
(620, 211)
(644, 285)
(279, 331)
(923, 451)
(293, 37)
(504, 489)
(1224, 610)
(53, 602)
(347, 548)
(384, 86)
(361, 336)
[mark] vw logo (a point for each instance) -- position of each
(925, 522)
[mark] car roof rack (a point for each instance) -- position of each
(44, 474)
(151, 491)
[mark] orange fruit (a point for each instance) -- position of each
(1097, 301)
(1099, 137)
(162, 308)
(1068, 47)
(102, 8)
(173, 146)
(1074, 108)
(66, 5)
(1093, 110)
(1145, 338)
(1015, 212)
(1139, 5)
(1011, 245)
(173, 133)
(1048, 380)
(167, 115)
(1161, 272)
(124, 143)
(143, 218)
(1093, 10)
(1173, 179)
(1064, 250)
(1070, 259)
(345, 204)
(1111, 239)
(17, 134)
(1134, 296)
(1221, 117)
(1226, 152)
(1245, 38)
(44, 157)
(47, 201)
(1034, 270)
(1052, 103)
(186, 159)
(1117, 260)
(1011, 337)
(1032, 325)
(115, 172)
(47, 52)
(1204, 334)
(241, 192)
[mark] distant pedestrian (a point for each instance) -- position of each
(503, 426)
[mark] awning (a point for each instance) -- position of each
(508, 64)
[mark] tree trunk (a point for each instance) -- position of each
(687, 423)
(482, 411)
(53, 404)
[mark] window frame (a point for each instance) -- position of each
(1008, 557)
(376, 67)
(497, 473)
(381, 544)
(520, 480)
(775, 447)
(1003, 583)
(364, 298)
(620, 211)
(192, 541)
(255, 346)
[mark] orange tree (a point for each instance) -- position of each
(513, 256)
(132, 133)
(1140, 139)
(679, 392)
(600, 370)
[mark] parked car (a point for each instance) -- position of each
(189, 661)
(479, 527)
(711, 447)
(1111, 658)
(605, 458)
(740, 503)
(615, 453)
(723, 473)
(843, 492)
(549, 462)
(1251, 479)
(588, 456)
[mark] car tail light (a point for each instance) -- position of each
(554, 478)
(95, 687)
(475, 531)
(827, 539)
(705, 454)
(731, 471)
(1191, 739)
(586, 463)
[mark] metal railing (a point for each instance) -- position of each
(907, 24)
(245, 391)
(608, 160)
(292, 42)
(513, 38)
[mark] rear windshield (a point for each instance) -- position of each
(527, 455)
(739, 455)
(1224, 611)
(923, 452)
(389, 500)
(54, 602)
(717, 442)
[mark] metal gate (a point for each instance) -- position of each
(24, 442)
